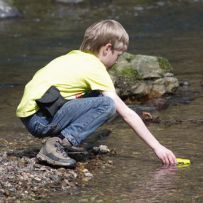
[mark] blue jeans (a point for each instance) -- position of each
(75, 120)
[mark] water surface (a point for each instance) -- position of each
(172, 30)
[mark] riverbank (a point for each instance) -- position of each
(23, 177)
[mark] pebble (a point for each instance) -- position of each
(184, 83)
(102, 149)
(110, 162)
(88, 174)
(37, 179)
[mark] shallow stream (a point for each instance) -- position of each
(172, 30)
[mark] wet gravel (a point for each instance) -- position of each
(23, 177)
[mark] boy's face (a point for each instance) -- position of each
(112, 57)
(108, 56)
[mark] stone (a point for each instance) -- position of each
(147, 66)
(103, 149)
(184, 83)
(8, 11)
(141, 76)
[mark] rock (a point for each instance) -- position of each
(163, 85)
(8, 11)
(184, 83)
(141, 76)
(87, 173)
(102, 149)
(150, 66)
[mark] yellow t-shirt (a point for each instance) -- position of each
(73, 74)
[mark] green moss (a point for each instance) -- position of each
(165, 65)
(129, 72)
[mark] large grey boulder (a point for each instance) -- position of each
(141, 76)
(8, 11)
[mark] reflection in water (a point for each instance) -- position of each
(159, 182)
(133, 182)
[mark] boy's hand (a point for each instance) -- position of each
(165, 155)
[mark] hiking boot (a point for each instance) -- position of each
(53, 153)
(70, 148)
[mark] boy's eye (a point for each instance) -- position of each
(120, 54)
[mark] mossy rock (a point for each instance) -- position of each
(138, 76)
(165, 65)
(141, 66)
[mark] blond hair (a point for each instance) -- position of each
(103, 32)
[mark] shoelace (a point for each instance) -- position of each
(60, 148)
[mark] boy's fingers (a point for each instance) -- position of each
(171, 159)
(165, 160)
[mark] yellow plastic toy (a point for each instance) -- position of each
(181, 161)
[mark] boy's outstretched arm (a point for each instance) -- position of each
(136, 123)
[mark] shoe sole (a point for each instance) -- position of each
(45, 158)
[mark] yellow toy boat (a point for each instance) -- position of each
(181, 161)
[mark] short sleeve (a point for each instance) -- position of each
(99, 79)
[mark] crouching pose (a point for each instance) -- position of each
(73, 95)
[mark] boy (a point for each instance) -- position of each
(54, 105)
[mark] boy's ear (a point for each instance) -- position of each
(104, 50)
(107, 48)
